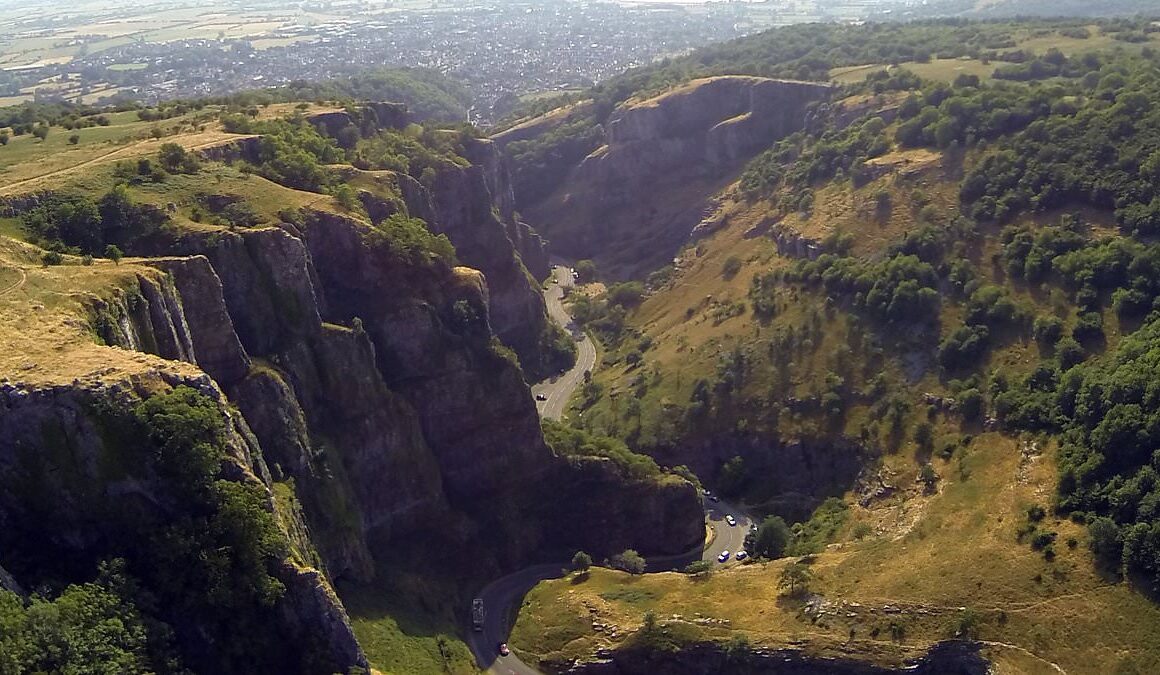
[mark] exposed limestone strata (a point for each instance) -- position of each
(634, 201)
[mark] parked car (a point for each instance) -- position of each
(723, 557)
(731, 520)
(503, 649)
(541, 397)
(741, 555)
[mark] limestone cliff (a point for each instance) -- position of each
(363, 385)
(634, 201)
(474, 207)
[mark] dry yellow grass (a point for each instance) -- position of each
(45, 336)
(961, 552)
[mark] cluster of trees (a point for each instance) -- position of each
(176, 159)
(77, 224)
(573, 442)
(417, 151)
(410, 240)
(1106, 414)
(291, 152)
(1095, 143)
(900, 288)
(26, 117)
(1122, 270)
(429, 94)
(87, 628)
(1053, 63)
(800, 161)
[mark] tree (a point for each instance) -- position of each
(74, 139)
(171, 156)
(113, 253)
(771, 539)
(650, 622)
(40, 131)
(585, 271)
(629, 561)
(731, 480)
(924, 436)
(795, 577)
(581, 562)
(731, 267)
(1105, 539)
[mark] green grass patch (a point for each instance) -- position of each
(629, 594)
(403, 629)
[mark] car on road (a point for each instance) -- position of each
(541, 397)
(503, 649)
(741, 555)
(731, 520)
(723, 557)
(714, 498)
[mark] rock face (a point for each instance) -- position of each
(703, 126)
(634, 201)
(800, 472)
(474, 207)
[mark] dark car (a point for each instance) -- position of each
(503, 649)
(541, 397)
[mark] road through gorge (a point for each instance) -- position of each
(502, 597)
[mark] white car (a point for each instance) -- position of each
(731, 520)
(723, 557)
(741, 555)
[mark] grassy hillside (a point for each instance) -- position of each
(955, 295)
(923, 568)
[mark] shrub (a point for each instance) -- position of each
(1047, 330)
(731, 267)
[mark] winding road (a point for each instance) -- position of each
(503, 597)
(557, 391)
